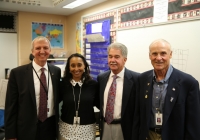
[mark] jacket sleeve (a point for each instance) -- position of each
(192, 125)
(11, 107)
(136, 116)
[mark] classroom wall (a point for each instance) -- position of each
(69, 22)
(74, 18)
(183, 37)
(25, 34)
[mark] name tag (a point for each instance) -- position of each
(159, 118)
(76, 120)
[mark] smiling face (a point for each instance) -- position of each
(41, 51)
(116, 60)
(160, 54)
(76, 68)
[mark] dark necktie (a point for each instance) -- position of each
(42, 115)
(111, 101)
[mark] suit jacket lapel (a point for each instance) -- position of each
(148, 92)
(128, 83)
(103, 81)
(53, 80)
(29, 75)
(173, 90)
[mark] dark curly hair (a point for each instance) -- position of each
(86, 74)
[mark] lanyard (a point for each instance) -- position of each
(160, 97)
(76, 109)
(46, 90)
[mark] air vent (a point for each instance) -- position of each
(56, 2)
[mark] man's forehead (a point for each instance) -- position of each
(114, 54)
(115, 51)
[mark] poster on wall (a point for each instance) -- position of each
(78, 37)
(54, 32)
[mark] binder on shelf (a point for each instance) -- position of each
(95, 38)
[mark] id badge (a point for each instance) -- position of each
(77, 120)
(158, 118)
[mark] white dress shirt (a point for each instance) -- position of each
(119, 92)
(50, 102)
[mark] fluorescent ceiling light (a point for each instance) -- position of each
(76, 4)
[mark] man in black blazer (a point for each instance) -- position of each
(168, 106)
(23, 97)
(120, 128)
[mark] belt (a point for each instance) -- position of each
(157, 130)
(52, 118)
(115, 121)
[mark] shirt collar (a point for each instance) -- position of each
(73, 82)
(169, 72)
(37, 67)
(120, 75)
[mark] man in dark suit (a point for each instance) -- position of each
(24, 99)
(168, 105)
(119, 126)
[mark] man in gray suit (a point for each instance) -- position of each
(117, 125)
(23, 98)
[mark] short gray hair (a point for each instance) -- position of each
(120, 47)
(38, 39)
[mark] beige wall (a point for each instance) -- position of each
(24, 32)
(69, 22)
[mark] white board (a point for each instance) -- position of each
(184, 38)
(3, 89)
(8, 52)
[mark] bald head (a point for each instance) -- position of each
(160, 41)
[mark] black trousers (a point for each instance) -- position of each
(46, 130)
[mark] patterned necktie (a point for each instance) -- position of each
(111, 101)
(42, 115)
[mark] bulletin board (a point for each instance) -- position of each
(108, 15)
(96, 53)
(141, 14)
